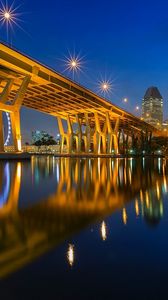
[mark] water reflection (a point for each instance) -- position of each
(103, 230)
(71, 255)
(45, 202)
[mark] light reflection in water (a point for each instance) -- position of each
(103, 231)
(71, 255)
(136, 207)
(83, 190)
(124, 216)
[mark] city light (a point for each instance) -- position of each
(125, 100)
(137, 107)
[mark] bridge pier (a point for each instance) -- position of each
(87, 134)
(16, 130)
(65, 137)
(13, 109)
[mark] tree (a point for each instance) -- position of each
(45, 140)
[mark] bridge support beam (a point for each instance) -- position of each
(14, 109)
(78, 136)
(16, 130)
(105, 139)
(65, 137)
(99, 137)
(87, 134)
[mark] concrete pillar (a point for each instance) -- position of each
(69, 142)
(109, 142)
(99, 136)
(79, 135)
(1, 133)
(96, 142)
(87, 137)
(103, 143)
(16, 130)
(115, 139)
(68, 137)
(109, 134)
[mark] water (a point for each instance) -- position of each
(84, 229)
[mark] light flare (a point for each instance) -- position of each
(74, 63)
(10, 16)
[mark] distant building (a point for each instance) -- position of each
(152, 107)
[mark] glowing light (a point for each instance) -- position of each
(124, 216)
(158, 190)
(74, 63)
(19, 145)
(147, 115)
(137, 108)
(147, 199)
(9, 16)
(19, 170)
(125, 100)
(103, 231)
(8, 130)
(70, 255)
(105, 86)
(136, 208)
(141, 195)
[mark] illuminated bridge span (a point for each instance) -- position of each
(25, 82)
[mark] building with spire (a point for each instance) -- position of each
(152, 107)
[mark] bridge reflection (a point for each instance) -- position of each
(86, 190)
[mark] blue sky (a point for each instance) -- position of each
(126, 41)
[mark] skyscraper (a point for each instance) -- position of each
(152, 107)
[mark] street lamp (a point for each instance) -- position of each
(73, 63)
(105, 87)
(9, 16)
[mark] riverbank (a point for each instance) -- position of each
(15, 156)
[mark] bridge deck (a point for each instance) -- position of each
(52, 93)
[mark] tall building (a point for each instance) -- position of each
(152, 107)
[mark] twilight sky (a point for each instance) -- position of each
(125, 41)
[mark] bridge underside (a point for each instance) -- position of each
(93, 123)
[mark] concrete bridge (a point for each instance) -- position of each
(99, 124)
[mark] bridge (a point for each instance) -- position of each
(98, 122)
